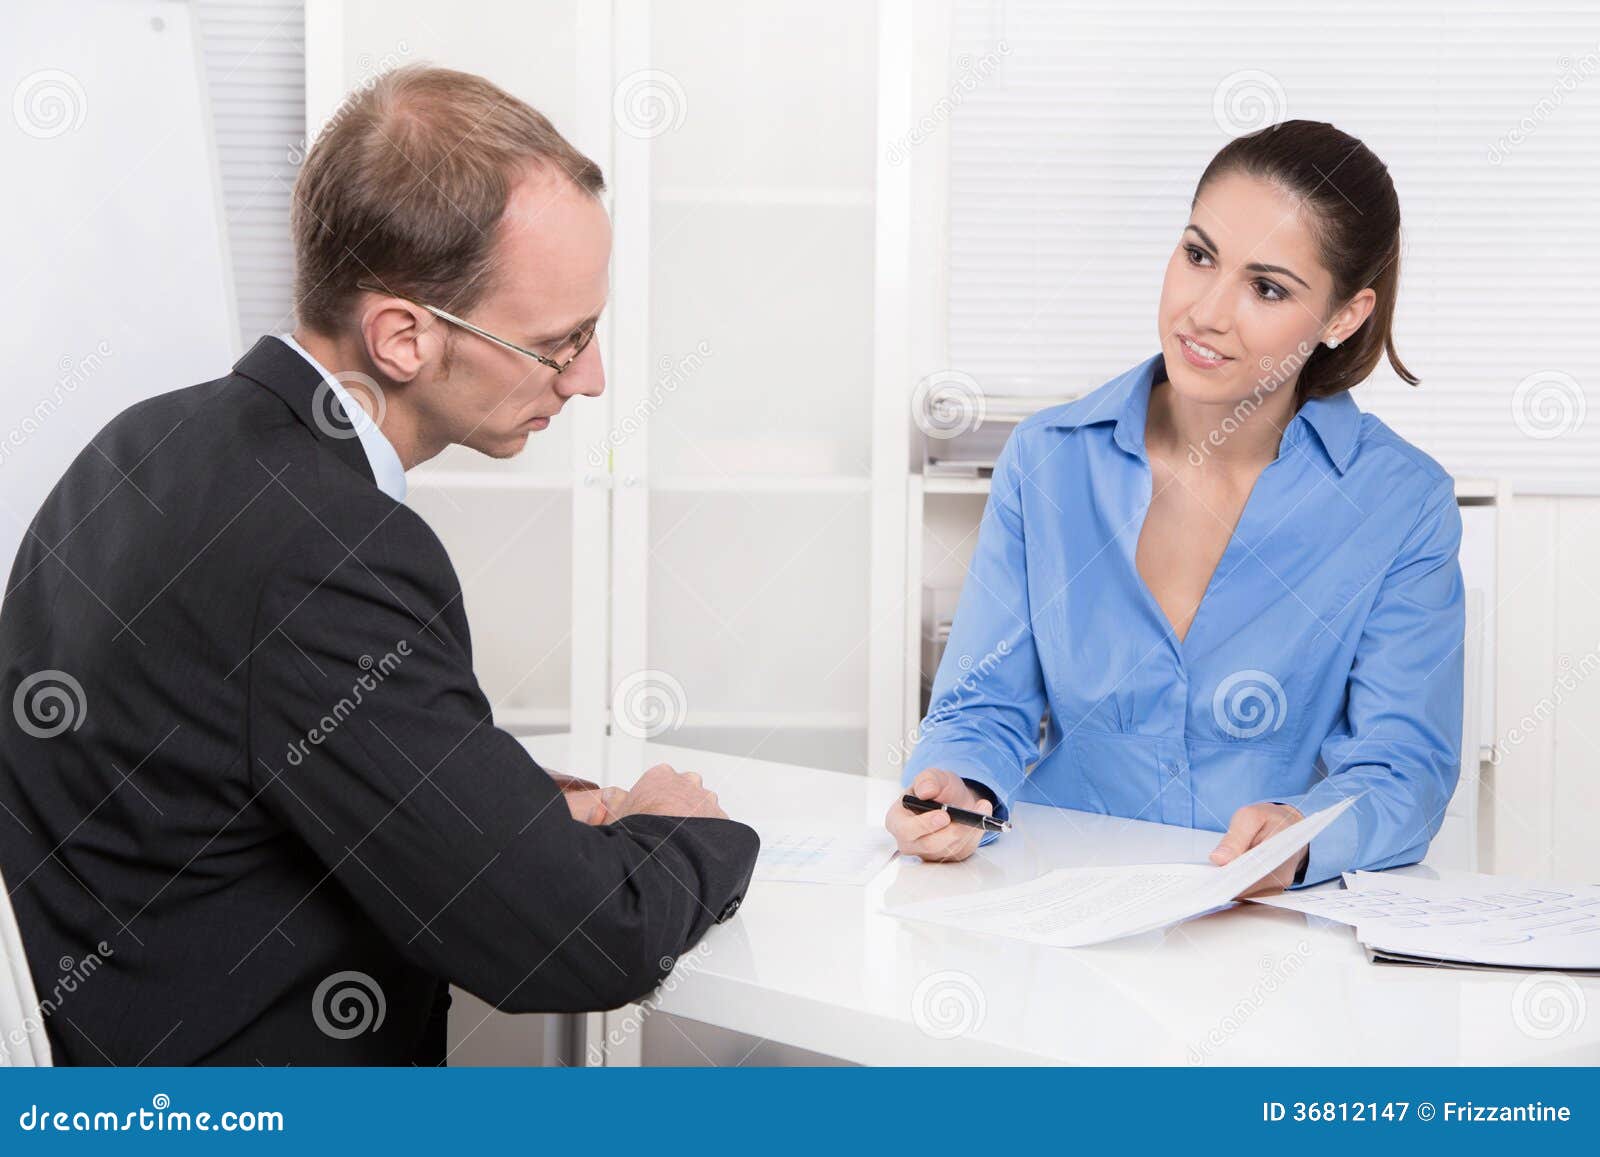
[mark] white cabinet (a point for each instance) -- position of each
(744, 255)
(686, 558)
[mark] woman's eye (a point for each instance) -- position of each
(1197, 255)
(1270, 291)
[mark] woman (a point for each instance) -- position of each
(1237, 594)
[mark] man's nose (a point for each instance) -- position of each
(586, 375)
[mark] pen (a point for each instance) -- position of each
(958, 815)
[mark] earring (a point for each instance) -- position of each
(1332, 343)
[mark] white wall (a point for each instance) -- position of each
(116, 283)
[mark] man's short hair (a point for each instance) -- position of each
(405, 187)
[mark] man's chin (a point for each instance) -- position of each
(501, 446)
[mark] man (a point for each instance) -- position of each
(248, 766)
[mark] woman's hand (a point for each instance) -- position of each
(931, 835)
(1249, 827)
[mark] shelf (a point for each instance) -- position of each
(486, 480)
(953, 484)
(761, 484)
(514, 718)
(764, 196)
(1479, 489)
(806, 720)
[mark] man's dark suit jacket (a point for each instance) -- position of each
(281, 768)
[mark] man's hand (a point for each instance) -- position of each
(599, 806)
(931, 835)
(588, 801)
(662, 791)
(1250, 826)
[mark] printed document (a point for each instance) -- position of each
(1071, 907)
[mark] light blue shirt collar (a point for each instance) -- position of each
(387, 469)
(1125, 402)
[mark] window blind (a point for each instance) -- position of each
(254, 57)
(1072, 163)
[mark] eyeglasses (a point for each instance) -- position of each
(574, 345)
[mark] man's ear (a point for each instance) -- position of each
(1345, 321)
(400, 337)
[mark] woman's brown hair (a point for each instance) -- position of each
(1354, 213)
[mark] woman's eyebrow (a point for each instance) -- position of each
(1258, 267)
(1254, 266)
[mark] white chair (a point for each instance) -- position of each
(23, 1043)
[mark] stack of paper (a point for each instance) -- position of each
(1471, 921)
(1071, 907)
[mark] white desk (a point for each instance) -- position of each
(821, 968)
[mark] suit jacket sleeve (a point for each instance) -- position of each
(371, 740)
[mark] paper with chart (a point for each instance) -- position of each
(1072, 907)
(813, 858)
(1470, 919)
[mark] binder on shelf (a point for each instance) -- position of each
(972, 429)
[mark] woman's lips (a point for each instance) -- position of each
(1195, 358)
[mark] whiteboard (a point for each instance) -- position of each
(117, 282)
